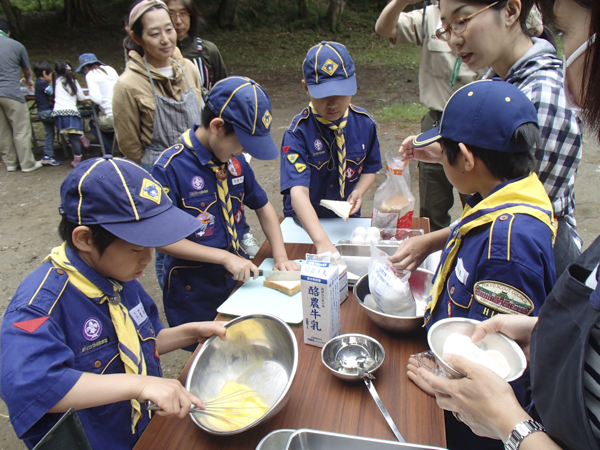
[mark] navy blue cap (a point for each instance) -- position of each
(328, 70)
(484, 114)
(246, 105)
(86, 59)
(124, 199)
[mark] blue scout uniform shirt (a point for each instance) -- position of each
(51, 334)
(309, 158)
(194, 290)
(509, 259)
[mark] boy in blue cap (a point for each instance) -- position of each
(330, 150)
(207, 176)
(81, 331)
(497, 258)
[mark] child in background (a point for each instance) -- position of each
(207, 176)
(43, 93)
(498, 258)
(330, 150)
(81, 331)
(68, 120)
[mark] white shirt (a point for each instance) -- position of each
(101, 85)
(63, 100)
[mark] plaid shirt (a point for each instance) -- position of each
(538, 74)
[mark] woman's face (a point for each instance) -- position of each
(574, 22)
(180, 17)
(483, 43)
(158, 37)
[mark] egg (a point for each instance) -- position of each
(359, 231)
(373, 231)
(371, 240)
(358, 240)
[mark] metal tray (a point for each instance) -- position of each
(305, 439)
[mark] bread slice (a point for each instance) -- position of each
(342, 209)
(287, 287)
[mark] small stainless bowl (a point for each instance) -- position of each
(439, 331)
(420, 285)
(260, 351)
(340, 355)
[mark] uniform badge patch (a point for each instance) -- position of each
(292, 157)
(207, 224)
(285, 149)
(329, 67)
(350, 172)
(197, 182)
(502, 298)
(234, 167)
(239, 214)
(300, 167)
(92, 328)
(31, 325)
(267, 119)
(318, 145)
(151, 191)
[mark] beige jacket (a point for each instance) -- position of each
(133, 100)
(437, 60)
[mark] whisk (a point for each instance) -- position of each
(222, 408)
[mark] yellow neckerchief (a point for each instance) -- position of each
(225, 201)
(130, 349)
(525, 196)
(338, 131)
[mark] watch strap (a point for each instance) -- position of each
(520, 432)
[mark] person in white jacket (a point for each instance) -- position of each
(100, 80)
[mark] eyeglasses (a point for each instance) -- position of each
(458, 26)
(182, 15)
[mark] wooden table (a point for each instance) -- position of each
(321, 401)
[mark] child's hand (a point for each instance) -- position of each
(431, 153)
(356, 199)
(204, 330)
(410, 253)
(415, 377)
(286, 264)
(169, 395)
(240, 268)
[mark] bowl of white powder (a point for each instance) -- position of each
(495, 351)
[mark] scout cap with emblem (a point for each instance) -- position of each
(328, 70)
(483, 114)
(124, 199)
(246, 105)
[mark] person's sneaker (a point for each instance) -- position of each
(49, 161)
(36, 166)
(249, 245)
(84, 141)
(12, 168)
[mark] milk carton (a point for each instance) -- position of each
(320, 286)
(343, 270)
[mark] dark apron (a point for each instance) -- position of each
(171, 119)
(558, 346)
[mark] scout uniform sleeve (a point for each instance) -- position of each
(372, 163)
(409, 29)
(127, 123)
(165, 177)
(294, 170)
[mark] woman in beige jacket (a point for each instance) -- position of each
(158, 97)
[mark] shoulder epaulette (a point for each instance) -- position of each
(165, 157)
(304, 114)
(49, 291)
(360, 110)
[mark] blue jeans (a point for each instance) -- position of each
(107, 138)
(49, 129)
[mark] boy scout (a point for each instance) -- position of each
(81, 331)
(330, 150)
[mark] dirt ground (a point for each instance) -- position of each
(29, 201)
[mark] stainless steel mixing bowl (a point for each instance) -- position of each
(420, 285)
(260, 351)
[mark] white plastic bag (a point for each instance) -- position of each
(389, 288)
(394, 204)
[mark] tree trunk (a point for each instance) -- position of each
(303, 9)
(14, 17)
(334, 13)
(228, 14)
(82, 11)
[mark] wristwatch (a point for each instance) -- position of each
(520, 432)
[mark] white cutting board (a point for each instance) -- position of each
(253, 298)
(335, 228)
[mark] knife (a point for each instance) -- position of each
(280, 275)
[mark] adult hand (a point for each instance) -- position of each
(169, 395)
(517, 327)
(240, 268)
(482, 400)
(431, 153)
(356, 199)
(410, 253)
(287, 264)
(415, 377)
